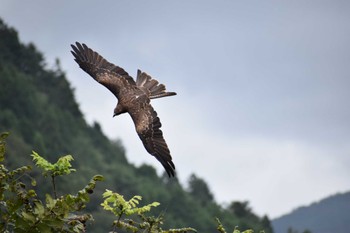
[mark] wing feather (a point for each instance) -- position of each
(111, 76)
(148, 125)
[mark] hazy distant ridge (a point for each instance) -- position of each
(329, 215)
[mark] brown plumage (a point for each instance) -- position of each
(133, 98)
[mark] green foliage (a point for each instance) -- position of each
(23, 211)
(116, 203)
(61, 167)
(222, 229)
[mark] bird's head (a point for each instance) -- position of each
(119, 109)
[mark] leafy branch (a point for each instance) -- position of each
(115, 203)
(22, 210)
(222, 229)
(60, 168)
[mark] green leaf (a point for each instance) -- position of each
(31, 193)
(63, 166)
(39, 209)
(50, 202)
(98, 178)
(54, 223)
(29, 217)
(33, 182)
(107, 193)
(4, 135)
(21, 225)
(221, 228)
(20, 170)
(44, 228)
(42, 163)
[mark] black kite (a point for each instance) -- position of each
(133, 98)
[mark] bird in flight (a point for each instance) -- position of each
(133, 98)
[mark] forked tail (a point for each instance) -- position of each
(151, 86)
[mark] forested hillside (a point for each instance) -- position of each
(328, 215)
(38, 108)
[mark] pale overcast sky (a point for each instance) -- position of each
(262, 111)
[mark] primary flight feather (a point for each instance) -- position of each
(133, 98)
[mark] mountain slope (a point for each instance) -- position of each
(331, 214)
(38, 108)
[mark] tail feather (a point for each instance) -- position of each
(165, 94)
(157, 89)
(151, 86)
(151, 83)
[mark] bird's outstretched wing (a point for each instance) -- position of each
(148, 125)
(111, 76)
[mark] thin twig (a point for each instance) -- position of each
(54, 186)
